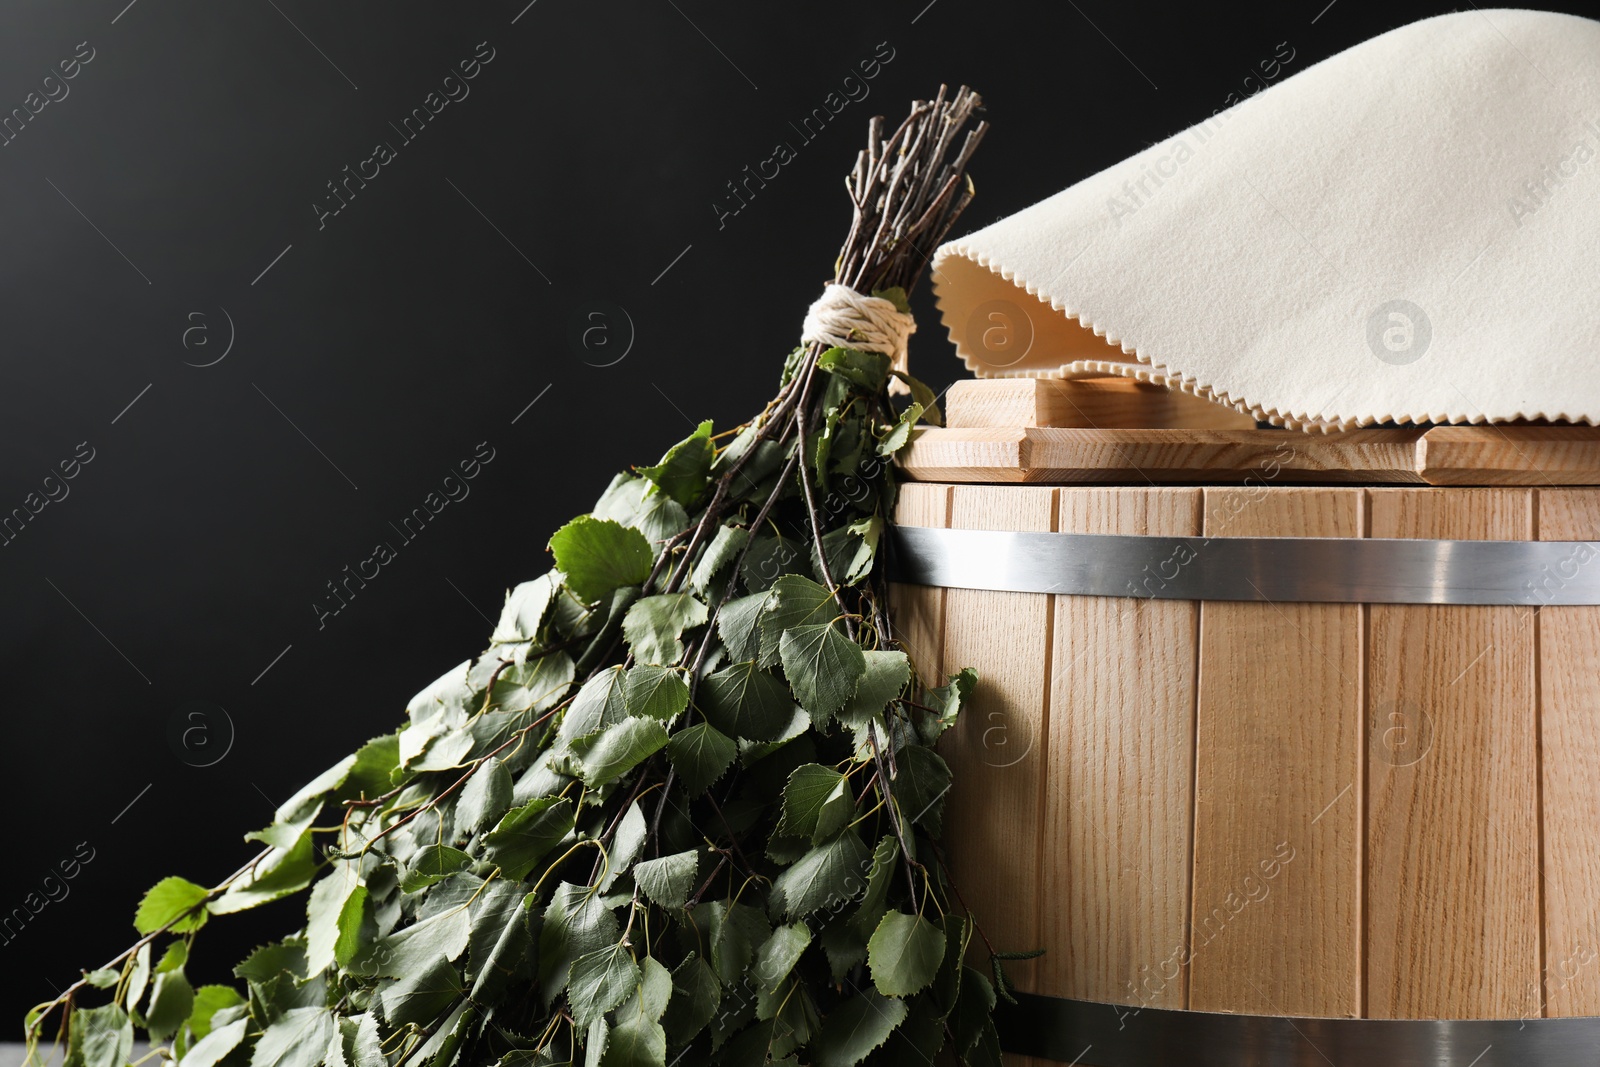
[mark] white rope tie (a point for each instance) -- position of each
(843, 318)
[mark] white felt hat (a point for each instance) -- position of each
(1408, 231)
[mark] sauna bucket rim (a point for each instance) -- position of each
(1128, 1035)
(1338, 570)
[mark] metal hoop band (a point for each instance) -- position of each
(1111, 1035)
(1332, 570)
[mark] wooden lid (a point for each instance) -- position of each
(1113, 430)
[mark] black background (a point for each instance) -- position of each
(409, 328)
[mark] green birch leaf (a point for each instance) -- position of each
(668, 880)
(524, 610)
(271, 960)
(366, 1048)
(817, 802)
(174, 958)
(655, 692)
(171, 1001)
(165, 901)
(536, 685)
(896, 295)
(885, 678)
(921, 786)
(635, 502)
(738, 624)
(208, 1000)
(795, 600)
(924, 396)
(104, 978)
(776, 957)
(413, 949)
(655, 625)
(625, 845)
(920, 1038)
(286, 831)
(421, 996)
(853, 1029)
(594, 1044)
(600, 981)
(331, 916)
(744, 701)
(616, 750)
(946, 702)
(598, 704)
(138, 978)
(867, 371)
(501, 943)
(696, 992)
(845, 947)
(900, 435)
(370, 774)
(576, 921)
(525, 835)
(486, 797)
(734, 931)
(685, 471)
(700, 753)
(823, 667)
(599, 555)
(828, 875)
(285, 871)
(874, 901)
(723, 550)
(904, 954)
(770, 557)
(638, 1038)
(434, 863)
(209, 1050)
(974, 1007)
(297, 1039)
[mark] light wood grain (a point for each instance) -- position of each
(1117, 812)
(1452, 885)
(1510, 455)
(1444, 455)
(1569, 747)
(1103, 403)
(917, 611)
(1078, 456)
(999, 749)
(1277, 822)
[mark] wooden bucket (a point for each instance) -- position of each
(1320, 812)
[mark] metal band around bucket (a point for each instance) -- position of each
(1110, 1035)
(1337, 570)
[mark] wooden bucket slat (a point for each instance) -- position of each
(1452, 839)
(1118, 800)
(918, 611)
(998, 751)
(1277, 874)
(1569, 748)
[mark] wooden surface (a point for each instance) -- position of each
(1277, 817)
(1100, 403)
(1444, 455)
(1452, 858)
(1041, 431)
(1432, 772)
(917, 611)
(998, 751)
(1569, 747)
(1118, 798)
